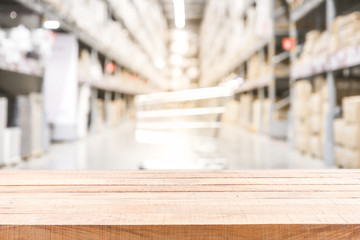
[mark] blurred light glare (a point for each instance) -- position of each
(13, 15)
(159, 64)
(179, 12)
(176, 60)
(52, 25)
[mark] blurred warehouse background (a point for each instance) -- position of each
(179, 84)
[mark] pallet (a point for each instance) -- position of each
(312, 204)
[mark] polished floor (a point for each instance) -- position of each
(125, 148)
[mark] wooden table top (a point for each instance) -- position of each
(281, 204)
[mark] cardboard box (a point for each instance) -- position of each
(352, 158)
(315, 146)
(315, 124)
(301, 127)
(302, 90)
(301, 110)
(256, 115)
(351, 109)
(351, 136)
(231, 112)
(339, 129)
(314, 103)
(301, 143)
(340, 156)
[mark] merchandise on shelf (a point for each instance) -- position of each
(310, 112)
(12, 145)
(225, 35)
(257, 68)
(105, 32)
(29, 118)
(90, 71)
(343, 33)
(116, 112)
(246, 102)
(232, 113)
(23, 50)
(98, 120)
(347, 134)
(293, 4)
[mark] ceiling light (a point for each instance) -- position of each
(13, 15)
(52, 25)
(179, 12)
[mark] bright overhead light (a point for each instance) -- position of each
(13, 15)
(159, 64)
(179, 12)
(52, 25)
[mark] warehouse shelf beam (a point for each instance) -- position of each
(254, 84)
(105, 86)
(16, 83)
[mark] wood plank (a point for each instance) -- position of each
(205, 232)
(314, 204)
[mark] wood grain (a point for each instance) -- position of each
(314, 204)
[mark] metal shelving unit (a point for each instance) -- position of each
(268, 83)
(324, 65)
(51, 13)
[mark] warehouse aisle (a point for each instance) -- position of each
(235, 149)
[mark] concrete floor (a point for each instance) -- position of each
(124, 148)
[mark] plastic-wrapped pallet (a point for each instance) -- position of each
(231, 112)
(30, 120)
(12, 145)
(347, 134)
(3, 123)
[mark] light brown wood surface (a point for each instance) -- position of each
(311, 204)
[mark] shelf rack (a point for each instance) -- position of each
(48, 11)
(267, 83)
(323, 65)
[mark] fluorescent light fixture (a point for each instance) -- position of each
(52, 25)
(179, 12)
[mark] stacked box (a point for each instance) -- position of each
(117, 110)
(301, 131)
(246, 102)
(347, 134)
(98, 120)
(12, 145)
(256, 116)
(345, 31)
(310, 112)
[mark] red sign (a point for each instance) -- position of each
(288, 43)
(110, 67)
